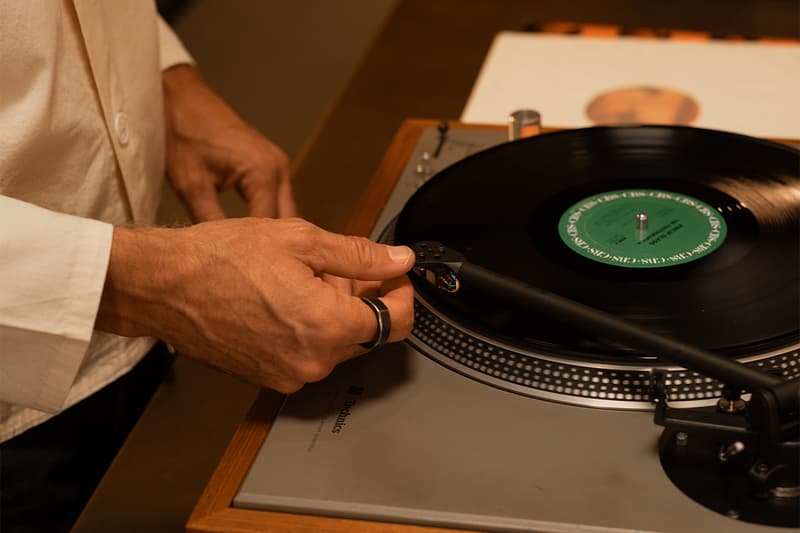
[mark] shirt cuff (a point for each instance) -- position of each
(172, 50)
(52, 271)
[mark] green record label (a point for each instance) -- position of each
(642, 228)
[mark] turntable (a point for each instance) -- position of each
(498, 415)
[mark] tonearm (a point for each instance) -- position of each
(755, 439)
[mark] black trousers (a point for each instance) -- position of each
(48, 473)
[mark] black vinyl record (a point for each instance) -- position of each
(505, 208)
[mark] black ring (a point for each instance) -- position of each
(384, 322)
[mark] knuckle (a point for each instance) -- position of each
(327, 331)
(302, 236)
(287, 386)
(363, 251)
(266, 175)
(273, 159)
(281, 159)
(330, 334)
(262, 182)
(313, 370)
(299, 229)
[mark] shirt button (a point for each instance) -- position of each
(121, 127)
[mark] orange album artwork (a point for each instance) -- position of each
(577, 76)
(643, 105)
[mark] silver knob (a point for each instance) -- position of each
(524, 123)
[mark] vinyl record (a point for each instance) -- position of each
(691, 233)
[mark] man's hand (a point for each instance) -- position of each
(260, 298)
(210, 149)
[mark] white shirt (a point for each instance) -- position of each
(82, 149)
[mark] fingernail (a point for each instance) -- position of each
(400, 254)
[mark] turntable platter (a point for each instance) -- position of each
(719, 267)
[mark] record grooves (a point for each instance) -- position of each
(735, 293)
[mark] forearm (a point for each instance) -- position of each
(146, 271)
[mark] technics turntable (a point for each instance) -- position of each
(576, 291)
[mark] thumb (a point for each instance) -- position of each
(359, 258)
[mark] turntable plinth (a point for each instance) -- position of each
(215, 510)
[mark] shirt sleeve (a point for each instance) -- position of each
(172, 50)
(52, 270)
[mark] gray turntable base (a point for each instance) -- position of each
(395, 436)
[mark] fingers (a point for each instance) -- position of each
(197, 191)
(266, 187)
(355, 287)
(287, 207)
(343, 285)
(260, 202)
(263, 201)
(361, 324)
(398, 295)
(357, 257)
(367, 289)
(205, 206)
